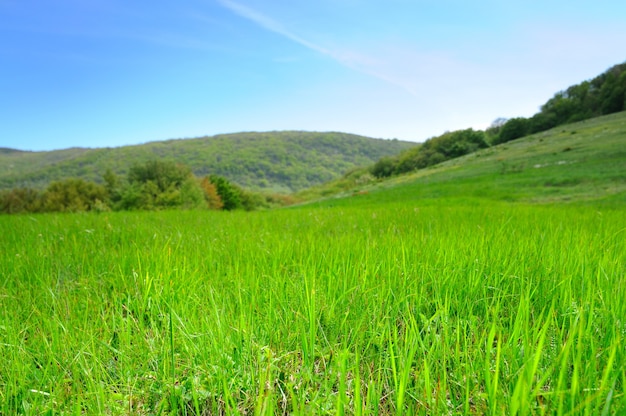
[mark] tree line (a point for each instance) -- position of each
(604, 94)
(279, 161)
(431, 152)
(154, 185)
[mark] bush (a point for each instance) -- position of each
(384, 167)
(435, 150)
(211, 196)
(513, 129)
(161, 185)
(20, 200)
(229, 195)
(73, 195)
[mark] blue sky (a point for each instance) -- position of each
(99, 73)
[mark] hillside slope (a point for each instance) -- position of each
(584, 161)
(278, 161)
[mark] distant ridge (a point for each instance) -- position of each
(280, 161)
(8, 150)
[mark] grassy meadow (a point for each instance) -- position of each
(583, 161)
(448, 307)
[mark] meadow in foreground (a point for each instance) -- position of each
(388, 309)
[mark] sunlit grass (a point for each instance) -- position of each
(388, 309)
(584, 161)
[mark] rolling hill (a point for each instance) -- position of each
(277, 161)
(583, 161)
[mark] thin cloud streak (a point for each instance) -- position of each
(270, 24)
(355, 61)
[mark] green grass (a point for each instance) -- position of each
(448, 307)
(585, 161)
(490, 284)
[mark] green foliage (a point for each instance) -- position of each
(602, 95)
(191, 194)
(69, 195)
(512, 129)
(454, 144)
(384, 167)
(20, 200)
(154, 185)
(435, 150)
(228, 193)
(494, 129)
(130, 197)
(541, 122)
(605, 94)
(160, 185)
(352, 181)
(584, 161)
(73, 195)
(164, 175)
(111, 183)
(270, 162)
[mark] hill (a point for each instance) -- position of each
(603, 95)
(583, 161)
(278, 161)
(7, 150)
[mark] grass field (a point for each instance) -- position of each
(584, 161)
(489, 284)
(445, 307)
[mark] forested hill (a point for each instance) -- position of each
(277, 161)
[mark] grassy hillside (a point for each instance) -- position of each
(580, 161)
(277, 161)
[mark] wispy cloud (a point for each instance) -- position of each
(358, 61)
(270, 24)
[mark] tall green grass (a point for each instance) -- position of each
(387, 309)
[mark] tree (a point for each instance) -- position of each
(541, 122)
(130, 197)
(441, 148)
(499, 122)
(73, 195)
(459, 143)
(211, 196)
(163, 174)
(20, 200)
(228, 193)
(513, 129)
(384, 167)
(251, 200)
(191, 194)
(612, 93)
(494, 129)
(112, 185)
(161, 185)
(604, 94)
